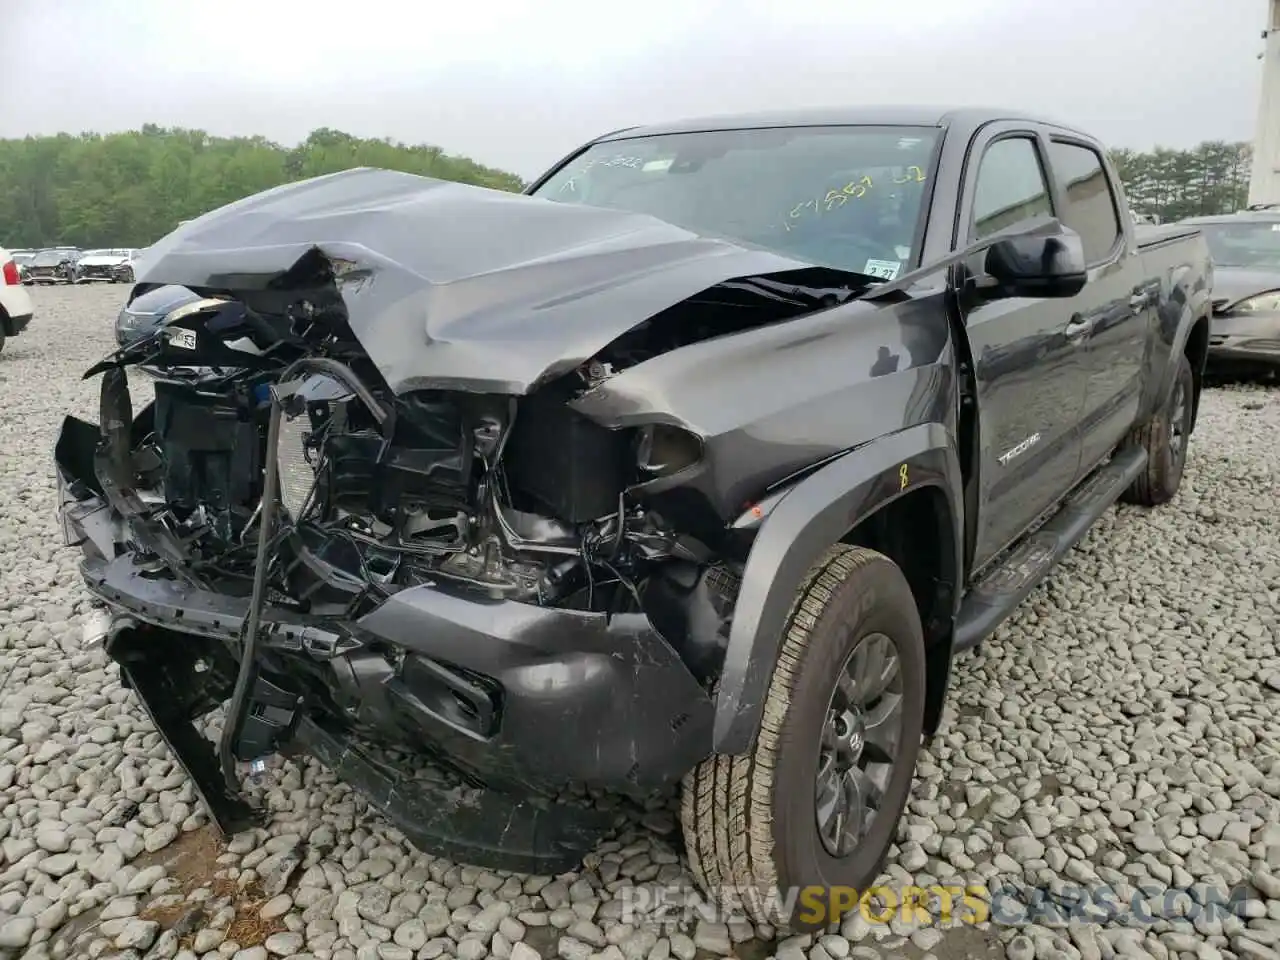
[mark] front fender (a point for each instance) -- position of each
(812, 516)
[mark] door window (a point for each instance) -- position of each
(1011, 187)
(1090, 209)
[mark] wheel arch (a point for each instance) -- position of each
(866, 496)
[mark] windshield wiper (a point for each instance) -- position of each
(802, 295)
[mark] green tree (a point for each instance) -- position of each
(1173, 184)
(131, 188)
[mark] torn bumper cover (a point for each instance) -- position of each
(505, 694)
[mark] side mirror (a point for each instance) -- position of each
(1037, 265)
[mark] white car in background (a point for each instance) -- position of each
(15, 302)
(112, 265)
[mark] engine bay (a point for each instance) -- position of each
(505, 497)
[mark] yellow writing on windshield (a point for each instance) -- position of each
(838, 197)
(633, 163)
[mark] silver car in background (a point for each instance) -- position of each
(111, 265)
(1245, 339)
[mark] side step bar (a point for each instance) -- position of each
(993, 598)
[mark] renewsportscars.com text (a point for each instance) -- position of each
(940, 904)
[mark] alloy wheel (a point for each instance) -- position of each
(859, 744)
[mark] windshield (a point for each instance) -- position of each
(1244, 244)
(49, 258)
(845, 197)
(23, 257)
(98, 253)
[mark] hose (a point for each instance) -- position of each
(238, 708)
(245, 677)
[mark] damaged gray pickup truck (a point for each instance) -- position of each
(697, 464)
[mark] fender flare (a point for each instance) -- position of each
(816, 513)
(1197, 309)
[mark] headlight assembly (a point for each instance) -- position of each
(1263, 303)
(298, 457)
(297, 472)
(663, 451)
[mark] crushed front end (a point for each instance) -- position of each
(454, 599)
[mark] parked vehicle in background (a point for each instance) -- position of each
(23, 259)
(127, 269)
(112, 265)
(15, 302)
(53, 266)
(74, 253)
(1246, 291)
(708, 468)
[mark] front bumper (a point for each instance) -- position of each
(519, 699)
(100, 273)
(15, 325)
(48, 277)
(1245, 341)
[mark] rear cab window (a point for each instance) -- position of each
(1089, 206)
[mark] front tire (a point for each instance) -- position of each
(1165, 438)
(761, 825)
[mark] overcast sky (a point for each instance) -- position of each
(517, 84)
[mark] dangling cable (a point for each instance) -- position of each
(247, 674)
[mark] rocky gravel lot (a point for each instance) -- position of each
(1121, 731)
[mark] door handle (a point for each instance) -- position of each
(1077, 327)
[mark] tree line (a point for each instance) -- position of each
(131, 188)
(1210, 178)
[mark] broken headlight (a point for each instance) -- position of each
(296, 466)
(310, 407)
(663, 451)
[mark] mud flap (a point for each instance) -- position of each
(177, 683)
(474, 825)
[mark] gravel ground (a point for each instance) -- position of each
(1121, 730)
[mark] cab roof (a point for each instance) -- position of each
(963, 118)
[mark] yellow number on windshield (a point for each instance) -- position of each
(857, 188)
(853, 190)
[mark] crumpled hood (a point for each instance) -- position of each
(452, 286)
(1233, 285)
